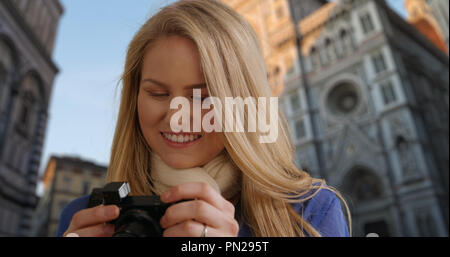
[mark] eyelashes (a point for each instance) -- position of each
(158, 95)
(166, 95)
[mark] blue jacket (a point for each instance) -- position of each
(323, 212)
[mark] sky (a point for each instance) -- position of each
(90, 52)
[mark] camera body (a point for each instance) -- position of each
(139, 215)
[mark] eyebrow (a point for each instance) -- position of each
(201, 85)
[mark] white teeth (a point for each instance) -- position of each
(180, 138)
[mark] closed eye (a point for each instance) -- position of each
(158, 95)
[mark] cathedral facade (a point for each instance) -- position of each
(27, 35)
(370, 116)
(366, 98)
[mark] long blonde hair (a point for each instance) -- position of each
(233, 66)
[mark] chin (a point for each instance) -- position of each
(179, 162)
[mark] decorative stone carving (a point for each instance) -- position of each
(401, 137)
(400, 128)
(408, 160)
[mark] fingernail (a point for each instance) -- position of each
(72, 235)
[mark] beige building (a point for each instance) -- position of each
(64, 180)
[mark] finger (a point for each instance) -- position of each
(100, 230)
(93, 216)
(197, 210)
(199, 190)
(189, 228)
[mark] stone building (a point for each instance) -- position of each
(367, 103)
(376, 124)
(272, 23)
(64, 179)
(27, 35)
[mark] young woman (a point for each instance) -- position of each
(240, 187)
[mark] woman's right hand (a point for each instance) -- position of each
(91, 222)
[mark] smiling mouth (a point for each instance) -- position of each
(180, 138)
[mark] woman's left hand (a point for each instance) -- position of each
(187, 219)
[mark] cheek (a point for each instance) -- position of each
(214, 142)
(149, 113)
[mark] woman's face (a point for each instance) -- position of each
(171, 68)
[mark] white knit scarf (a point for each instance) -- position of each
(220, 173)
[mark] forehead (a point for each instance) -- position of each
(172, 59)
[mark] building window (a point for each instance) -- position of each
(67, 183)
(295, 102)
(300, 130)
(27, 104)
(346, 42)
(388, 93)
(24, 115)
(86, 187)
(329, 50)
(314, 58)
(367, 24)
(379, 63)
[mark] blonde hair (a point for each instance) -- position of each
(233, 66)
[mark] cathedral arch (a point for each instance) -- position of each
(362, 185)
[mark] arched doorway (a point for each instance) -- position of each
(365, 189)
(362, 185)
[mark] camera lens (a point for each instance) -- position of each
(137, 223)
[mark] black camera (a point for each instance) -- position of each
(139, 215)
